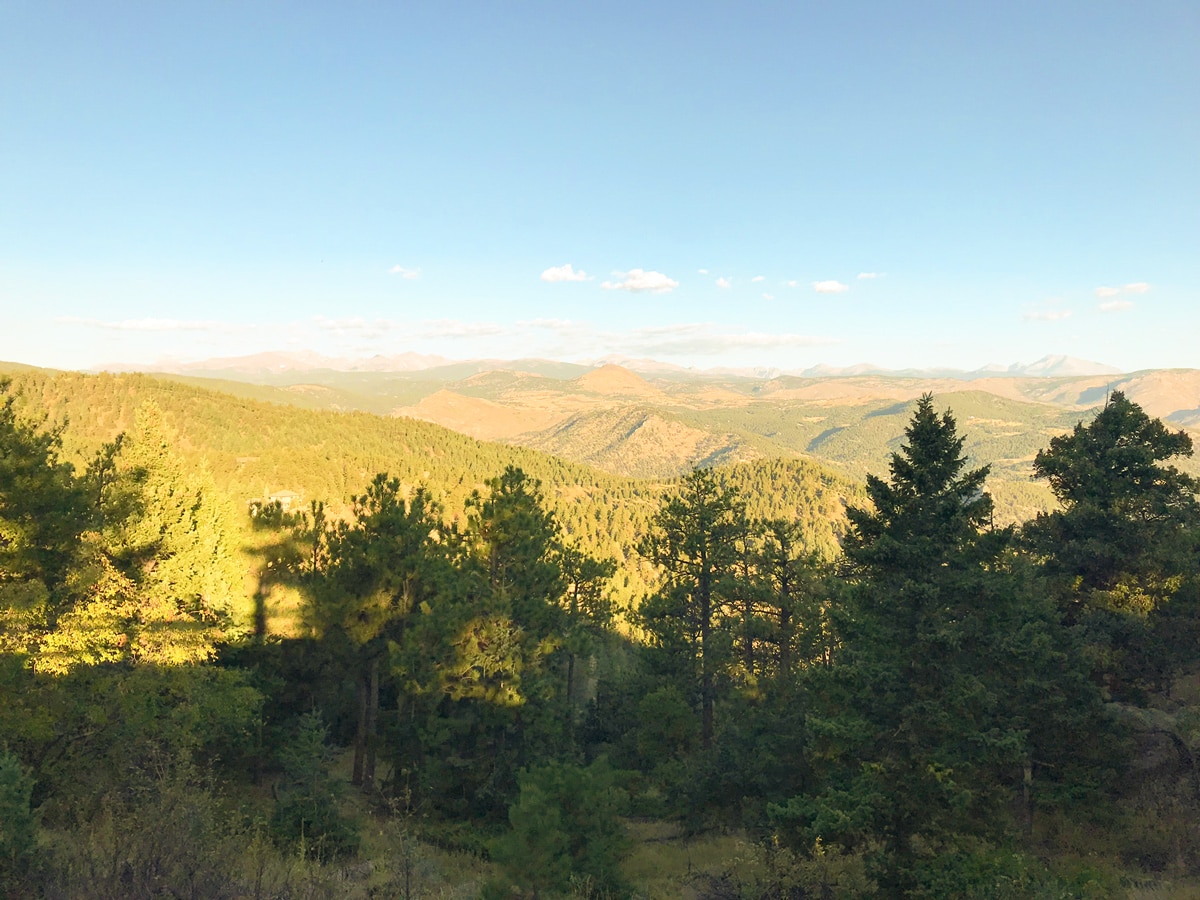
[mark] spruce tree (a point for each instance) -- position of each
(915, 733)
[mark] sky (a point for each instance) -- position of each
(706, 184)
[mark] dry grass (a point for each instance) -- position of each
(664, 862)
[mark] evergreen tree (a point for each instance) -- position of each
(517, 539)
(43, 512)
(913, 731)
(18, 825)
(379, 572)
(1124, 543)
(306, 812)
(565, 830)
(156, 578)
(589, 609)
(694, 542)
(792, 580)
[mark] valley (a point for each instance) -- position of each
(662, 422)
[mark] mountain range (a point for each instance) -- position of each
(277, 362)
(650, 420)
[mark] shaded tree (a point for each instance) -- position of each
(43, 511)
(564, 828)
(694, 542)
(913, 730)
(1124, 543)
(378, 572)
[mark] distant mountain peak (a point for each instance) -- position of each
(1053, 366)
(613, 379)
(1059, 366)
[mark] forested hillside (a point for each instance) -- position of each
(254, 450)
(824, 689)
(663, 425)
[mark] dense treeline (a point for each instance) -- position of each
(938, 707)
(254, 449)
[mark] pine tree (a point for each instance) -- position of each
(916, 731)
(694, 541)
(1123, 546)
(378, 573)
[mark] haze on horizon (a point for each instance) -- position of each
(912, 186)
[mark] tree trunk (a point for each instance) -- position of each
(368, 778)
(360, 734)
(706, 677)
(571, 686)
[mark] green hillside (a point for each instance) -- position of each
(162, 651)
(259, 445)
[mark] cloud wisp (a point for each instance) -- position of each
(1111, 300)
(724, 282)
(405, 273)
(639, 281)
(830, 287)
(688, 343)
(864, 276)
(1046, 315)
(1136, 287)
(563, 273)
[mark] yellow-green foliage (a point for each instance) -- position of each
(251, 449)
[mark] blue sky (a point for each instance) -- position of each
(906, 184)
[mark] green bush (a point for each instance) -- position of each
(306, 811)
(565, 830)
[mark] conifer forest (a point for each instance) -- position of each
(249, 650)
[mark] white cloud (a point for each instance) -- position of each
(1115, 305)
(638, 280)
(757, 278)
(724, 282)
(1046, 315)
(564, 273)
(407, 274)
(830, 287)
(793, 283)
(768, 296)
(1137, 287)
(870, 274)
(702, 271)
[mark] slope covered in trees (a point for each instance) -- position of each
(931, 706)
(253, 450)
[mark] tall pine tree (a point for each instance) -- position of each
(917, 738)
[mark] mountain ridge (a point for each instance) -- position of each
(282, 361)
